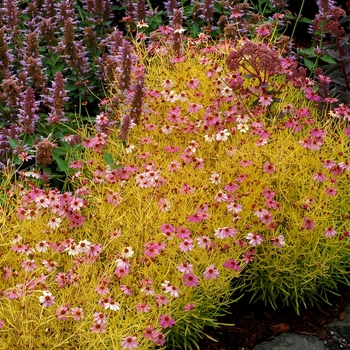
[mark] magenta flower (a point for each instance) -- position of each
(190, 280)
(143, 307)
(28, 265)
(308, 224)
(211, 272)
(232, 264)
(330, 191)
(77, 313)
(189, 307)
(130, 343)
(166, 321)
(319, 177)
(98, 327)
(158, 338)
(62, 312)
(269, 168)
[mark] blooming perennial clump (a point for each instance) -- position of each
(206, 189)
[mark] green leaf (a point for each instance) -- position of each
(305, 20)
(13, 143)
(62, 164)
(309, 64)
(328, 58)
(108, 158)
(308, 51)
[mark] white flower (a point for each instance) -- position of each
(179, 30)
(223, 135)
(129, 148)
(209, 138)
(54, 222)
(42, 246)
(127, 252)
(112, 305)
(167, 129)
(215, 178)
(242, 127)
(141, 24)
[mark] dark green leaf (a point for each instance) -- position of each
(308, 51)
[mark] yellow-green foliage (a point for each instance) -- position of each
(121, 213)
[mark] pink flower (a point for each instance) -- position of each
(161, 299)
(265, 100)
(158, 338)
(308, 224)
(126, 290)
(330, 232)
(185, 268)
(319, 177)
(77, 313)
(266, 218)
(143, 307)
(166, 321)
(168, 230)
(190, 280)
(189, 307)
(186, 245)
(234, 207)
(232, 264)
(28, 265)
(130, 343)
(102, 290)
(100, 317)
(330, 191)
(121, 271)
(47, 299)
(98, 327)
(194, 107)
(269, 168)
(183, 232)
(62, 312)
(254, 239)
(211, 272)
(231, 187)
(278, 241)
(225, 232)
(204, 242)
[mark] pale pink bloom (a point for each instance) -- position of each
(62, 312)
(330, 232)
(330, 191)
(126, 290)
(121, 272)
(254, 238)
(129, 148)
(166, 321)
(221, 197)
(211, 272)
(204, 242)
(319, 177)
(167, 84)
(158, 338)
(269, 168)
(167, 129)
(143, 307)
(194, 107)
(190, 280)
(225, 232)
(72, 250)
(328, 164)
(16, 238)
(112, 305)
(98, 327)
(102, 290)
(186, 245)
(174, 165)
(262, 30)
(308, 224)
(185, 268)
(130, 343)
(42, 201)
(49, 265)
(2, 323)
(147, 290)
(344, 166)
(265, 100)
(266, 218)
(234, 207)
(47, 299)
(161, 299)
(100, 317)
(28, 265)
(193, 83)
(77, 313)
(278, 241)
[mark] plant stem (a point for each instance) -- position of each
(297, 20)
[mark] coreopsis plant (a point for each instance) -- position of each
(207, 193)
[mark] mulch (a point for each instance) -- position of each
(255, 323)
